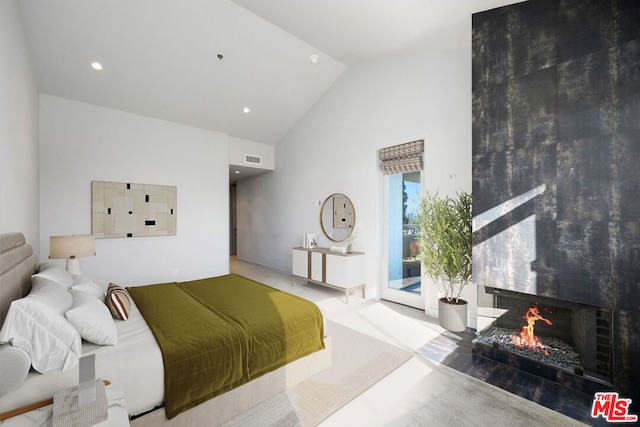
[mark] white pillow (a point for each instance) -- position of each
(51, 341)
(79, 278)
(84, 284)
(51, 294)
(92, 318)
(54, 274)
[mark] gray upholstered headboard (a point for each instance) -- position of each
(17, 264)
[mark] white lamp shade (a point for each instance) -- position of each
(74, 246)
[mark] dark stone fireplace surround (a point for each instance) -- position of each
(556, 103)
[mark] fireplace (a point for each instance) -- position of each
(555, 180)
(562, 341)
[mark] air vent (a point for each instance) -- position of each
(254, 160)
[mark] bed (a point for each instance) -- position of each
(137, 362)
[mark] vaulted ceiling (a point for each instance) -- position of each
(201, 62)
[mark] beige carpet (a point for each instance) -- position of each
(358, 362)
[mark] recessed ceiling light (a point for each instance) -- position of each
(237, 171)
(246, 110)
(314, 59)
(96, 66)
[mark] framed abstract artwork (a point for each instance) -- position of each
(123, 209)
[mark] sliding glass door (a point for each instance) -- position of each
(403, 269)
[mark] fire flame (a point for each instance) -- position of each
(527, 338)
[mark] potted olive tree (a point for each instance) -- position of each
(445, 251)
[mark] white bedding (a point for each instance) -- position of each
(135, 363)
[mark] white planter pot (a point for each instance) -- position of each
(452, 317)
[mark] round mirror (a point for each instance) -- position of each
(337, 217)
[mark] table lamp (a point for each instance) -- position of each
(71, 248)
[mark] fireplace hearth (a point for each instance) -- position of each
(556, 352)
(561, 341)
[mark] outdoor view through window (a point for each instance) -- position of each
(403, 200)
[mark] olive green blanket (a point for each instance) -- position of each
(218, 333)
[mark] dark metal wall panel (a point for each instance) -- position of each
(527, 45)
(556, 105)
(584, 27)
(568, 119)
(533, 34)
(490, 41)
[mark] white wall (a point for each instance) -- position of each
(81, 142)
(239, 147)
(334, 149)
(18, 129)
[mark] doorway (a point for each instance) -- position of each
(403, 275)
(233, 234)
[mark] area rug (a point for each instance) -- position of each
(358, 362)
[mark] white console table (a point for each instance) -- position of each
(343, 271)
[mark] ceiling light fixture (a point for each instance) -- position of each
(96, 66)
(314, 59)
(237, 171)
(246, 110)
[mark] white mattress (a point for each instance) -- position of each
(135, 363)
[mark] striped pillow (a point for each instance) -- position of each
(118, 301)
